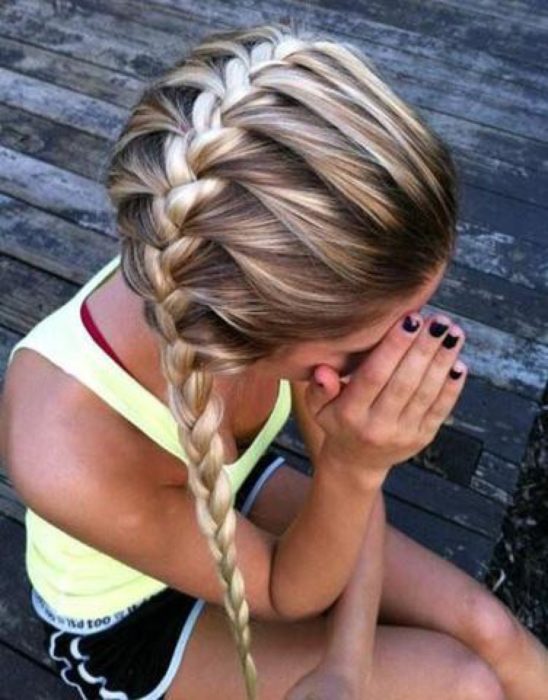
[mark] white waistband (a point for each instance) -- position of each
(78, 625)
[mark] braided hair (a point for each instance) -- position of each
(270, 188)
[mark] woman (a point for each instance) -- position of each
(283, 216)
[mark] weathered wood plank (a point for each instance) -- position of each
(503, 255)
(23, 679)
(528, 13)
(446, 499)
(466, 550)
(20, 304)
(499, 418)
(86, 35)
(51, 243)
(522, 220)
(450, 22)
(494, 160)
(67, 106)
(76, 198)
(68, 72)
(54, 143)
(488, 298)
(496, 478)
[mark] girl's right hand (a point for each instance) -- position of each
(395, 401)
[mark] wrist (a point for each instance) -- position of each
(365, 475)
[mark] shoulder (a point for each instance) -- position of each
(58, 430)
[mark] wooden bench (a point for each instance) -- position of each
(69, 72)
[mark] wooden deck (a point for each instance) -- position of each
(69, 72)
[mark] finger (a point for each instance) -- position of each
(433, 380)
(410, 372)
(371, 376)
(445, 402)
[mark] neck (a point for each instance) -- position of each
(118, 311)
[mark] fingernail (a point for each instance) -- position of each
(450, 341)
(456, 371)
(410, 324)
(436, 329)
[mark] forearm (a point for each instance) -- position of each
(352, 621)
(316, 555)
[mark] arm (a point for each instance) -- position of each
(353, 619)
(346, 668)
(334, 517)
(315, 556)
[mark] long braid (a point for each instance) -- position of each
(198, 410)
(199, 413)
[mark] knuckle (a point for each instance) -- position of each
(423, 352)
(422, 396)
(441, 359)
(376, 435)
(402, 387)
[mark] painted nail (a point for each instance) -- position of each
(436, 329)
(450, 341)
(456, 371)
(410, 324)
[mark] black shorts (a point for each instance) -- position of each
(137, 657)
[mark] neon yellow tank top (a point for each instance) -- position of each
(73, 578)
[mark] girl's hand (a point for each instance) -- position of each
(394, 402)
(323, 683)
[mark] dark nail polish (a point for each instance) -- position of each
(454, 374)
(410, 324)
(450, 341)
(437, 329)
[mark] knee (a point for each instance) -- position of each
(491, 625)
(480, 682)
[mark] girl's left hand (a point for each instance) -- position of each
(323, 683)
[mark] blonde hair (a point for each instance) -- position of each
(270, 189)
